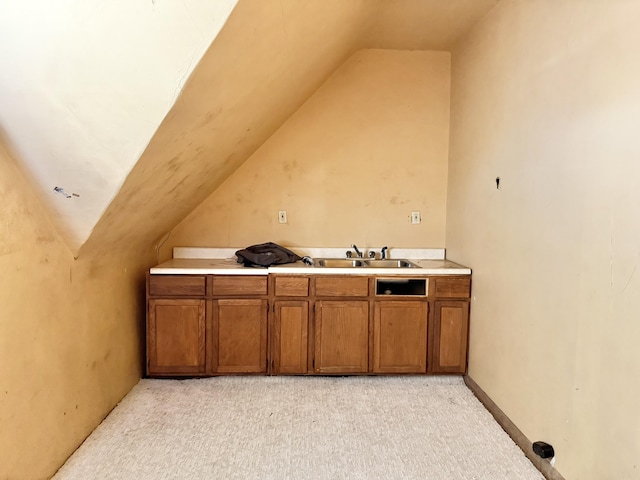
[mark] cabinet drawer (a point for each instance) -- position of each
(452, 287)
(176, 285)
(342, 286)
(292, 286)
(239, 285)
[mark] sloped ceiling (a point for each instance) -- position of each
(85, 85)
(269, 57)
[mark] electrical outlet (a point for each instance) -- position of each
(415, 217)
(282, 216)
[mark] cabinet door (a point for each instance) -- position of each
(239, 336)
(400, 337)
(451, 327)
(290, 336)
(342, 336)
(176, 337)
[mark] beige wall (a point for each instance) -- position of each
(70, 333)
(546, 95)
(369, 147)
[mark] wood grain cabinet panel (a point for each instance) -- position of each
(291, 286)
(239, 336)
(342, 286)
(342, 336)
(451, 327)
(239, 285)
(290, 337)
(400, 337)
(446, 287)
(176, 337)
(176, 285)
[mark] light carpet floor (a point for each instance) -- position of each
(415, 427)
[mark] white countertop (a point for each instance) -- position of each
(214, 265)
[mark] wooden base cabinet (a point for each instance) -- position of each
(290, 337)
(451, 324)
(342, 336)
(400, 337)
(239, 336)
(176, 337)
(200, 325)
(449, 297)
(205, 325)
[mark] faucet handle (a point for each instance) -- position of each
(349, 253)
(372, 254)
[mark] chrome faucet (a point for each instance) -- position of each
(357, 251)
(383, 253)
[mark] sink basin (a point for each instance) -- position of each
(391, 263)
(362, 263)
(339, 262)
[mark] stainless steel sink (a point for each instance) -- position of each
(362, 263)
(339, 262)
(391, 263)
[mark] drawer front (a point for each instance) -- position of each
(292, 286)
(176, 285)
(452, 287)
(229, 285)
(342, 286)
